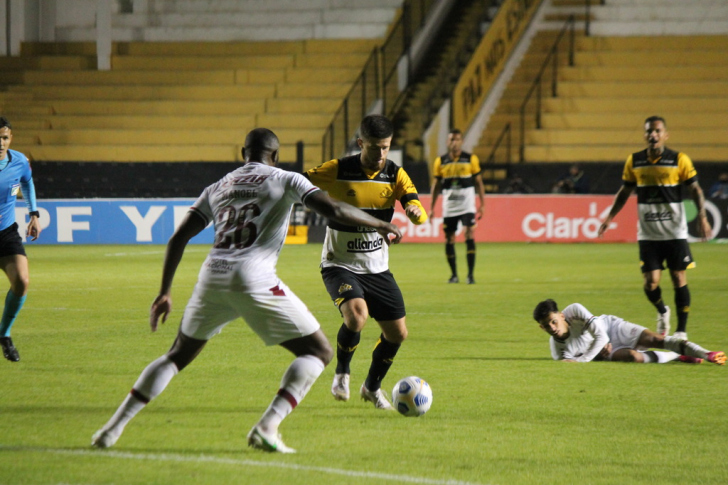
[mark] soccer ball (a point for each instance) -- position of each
(412, 396)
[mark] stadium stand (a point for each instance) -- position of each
(169, 97)
(622, 73)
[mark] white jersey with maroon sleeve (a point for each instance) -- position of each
(587, 335)
(249, 208)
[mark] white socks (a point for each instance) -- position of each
(296, 383)
(684, 347)
(651, 357)
(150, 384)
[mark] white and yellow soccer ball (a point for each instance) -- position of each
(412, 396)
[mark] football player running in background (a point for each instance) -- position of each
(579, 336)
(355, 259)
(250, 209)
(15, 175)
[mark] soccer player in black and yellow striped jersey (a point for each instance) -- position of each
(657, 174)
(355, 259)
(457, 177)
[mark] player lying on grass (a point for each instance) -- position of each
(579, 336)
(250, 209)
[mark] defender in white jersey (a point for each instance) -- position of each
(658, 174)
(579, 336)
(249, 208)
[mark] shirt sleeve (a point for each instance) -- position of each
(686, 168)
(577, 313)
(28, 187)
(300, 185)
(437, 168)
(406, 192)
(628, 176)
(324, 175)
(202, 207)
(474, 164)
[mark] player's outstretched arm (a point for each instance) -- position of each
(343, 213)
(191, 226)
(619, 200)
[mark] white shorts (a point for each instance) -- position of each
(623, 334)
(276, 314)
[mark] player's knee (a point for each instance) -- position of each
(325, 354)
(632, 356)
(20, 284)
(355, 314)
(184, 350)
(396, 335)
(450, 237)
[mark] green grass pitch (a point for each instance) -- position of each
(503, 412)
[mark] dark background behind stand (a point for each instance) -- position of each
(78, 180)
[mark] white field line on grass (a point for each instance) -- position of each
(244, 463)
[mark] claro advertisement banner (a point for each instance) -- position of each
(536, 218)
(555, 218)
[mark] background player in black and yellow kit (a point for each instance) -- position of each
(355, 260)
(657, 174)
(457, 177)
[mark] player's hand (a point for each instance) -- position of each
(479, 214)
(603, 228)
(606, 351)
(33, 230)
(704, 229)
(391, 234)
(413, 211)
(161, 306)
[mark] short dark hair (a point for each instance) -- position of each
(544, 309)
(376, 127)
(260, 142)
(455, 131)
(656, 118)
(4, 123)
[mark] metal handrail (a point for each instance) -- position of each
(536, 85)
(506, 132)
(507, 128)
(394, 47)
(341, 116)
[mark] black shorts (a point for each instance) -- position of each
(379, 291)
(676, 253)
(10, 242)
(450, 224)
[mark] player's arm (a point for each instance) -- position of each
(435, 191)
(480, 190)
(343, 213)
(696, 193)
(191, 226)
(478, 183)
(28, 188)
(407, 195)
(601, 339)
(619, 201)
